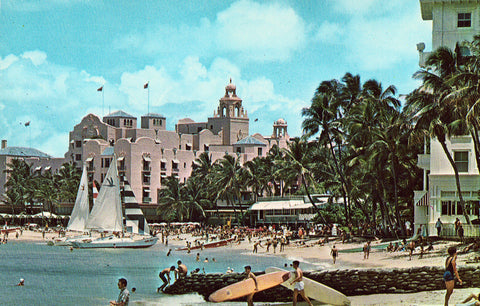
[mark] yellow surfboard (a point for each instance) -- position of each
(247, 286)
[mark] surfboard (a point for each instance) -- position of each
(315, 290)
(247, 286)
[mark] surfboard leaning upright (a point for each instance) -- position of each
(315, 290)
(247, 286)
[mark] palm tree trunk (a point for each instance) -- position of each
(304, 183)
(346, 198)
(457, 180)
(395, 194)
(475, 137)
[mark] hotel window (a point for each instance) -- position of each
(163, 165)
(78, 157)
(464, 20)
(239, 150)
(260, 152)
(78, 144)
(106, 163)
(461, 160)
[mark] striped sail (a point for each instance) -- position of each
(134, 219)
(79, 215)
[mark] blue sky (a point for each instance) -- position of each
(54, 54)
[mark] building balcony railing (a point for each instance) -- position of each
(147, 200)
(163, 168)
(91, 169)
(147, 169)
(124, 168)
(146, 183)
(175, 169)
(279, 219)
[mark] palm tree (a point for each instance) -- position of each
(323, 117)
(171, 205)
(226, 179)
(433, 117)
(68, 179)
(298, 162)
(21, 182)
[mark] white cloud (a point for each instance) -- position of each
(253, 31)
(261, 31)
(37, 57)
(329, 32)
(373, 40)
(53, 98)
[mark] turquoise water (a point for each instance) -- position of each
(57, 276)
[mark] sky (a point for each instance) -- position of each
(55, 54)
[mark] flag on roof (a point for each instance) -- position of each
(100, 89)
(27, 123)
(145, 86)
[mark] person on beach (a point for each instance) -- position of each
(411, 247)
(248, 271)
(124, 295)
(21, 283)
(460, 232)
(166, 280)
(334, 253)
(438, 226)
(450, 273)
(274, 244)
(181, 271)
(468, 301)
(255, 246)
(198, 257)
(366, 250)
(299, 287)
(169, 251)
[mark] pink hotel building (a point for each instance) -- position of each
(147, 154)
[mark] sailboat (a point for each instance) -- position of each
(107, 216)
(79, 215)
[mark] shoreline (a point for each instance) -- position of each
(320, 256)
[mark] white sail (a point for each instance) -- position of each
(106, 213)
(79, 215)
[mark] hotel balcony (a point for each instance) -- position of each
(147, 200)
(147, 169)
(424, 161)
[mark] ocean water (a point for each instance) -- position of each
(56, 276)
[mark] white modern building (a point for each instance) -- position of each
(454, 21)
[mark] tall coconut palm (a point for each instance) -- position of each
(68, 179)
(434, 117)
(226, 179)
(299, 162)
(323, 117)
(21, 181)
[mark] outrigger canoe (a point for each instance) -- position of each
(209, 245)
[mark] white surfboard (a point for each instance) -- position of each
(315, 290)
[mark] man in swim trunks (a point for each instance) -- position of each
(299, 287)
(334, 254)
(248, 271)
(166, 280)
(181, 271)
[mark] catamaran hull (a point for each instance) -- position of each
(116, 243)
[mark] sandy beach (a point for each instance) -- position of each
(320, 255)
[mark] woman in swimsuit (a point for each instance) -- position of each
(450, 273)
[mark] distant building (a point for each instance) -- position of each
(453, 22)
(148, 154)
(40, 161)
(290, 210)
